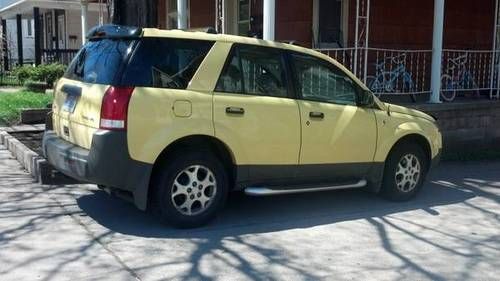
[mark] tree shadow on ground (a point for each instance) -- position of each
(246, 215)
(226, 241)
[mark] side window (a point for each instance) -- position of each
(231, 80)
(318, 80)
(165, 63)
(255, 71)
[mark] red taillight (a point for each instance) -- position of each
(114, 108)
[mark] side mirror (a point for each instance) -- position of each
(366, 99)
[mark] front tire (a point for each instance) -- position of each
(404, 173)
(190, 189)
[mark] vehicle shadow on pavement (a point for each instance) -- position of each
(245, 214)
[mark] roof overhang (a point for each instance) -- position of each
(25, 7)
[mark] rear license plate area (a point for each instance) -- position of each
(73, 94)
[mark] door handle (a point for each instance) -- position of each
(315, 114)
(235, 110)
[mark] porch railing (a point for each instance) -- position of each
(471, 69)
(63, 56)
(396, 72)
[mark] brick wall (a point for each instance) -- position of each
(467, 126)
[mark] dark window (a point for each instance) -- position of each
(98, 61)
(30, 27)
(165, 63)
(255, 71)
(319, 80)
(156, 62)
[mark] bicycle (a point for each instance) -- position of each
(453, 81)
(387, 81)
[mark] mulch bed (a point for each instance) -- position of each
(32, 140)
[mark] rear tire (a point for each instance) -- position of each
(190, 189)
(404, 172)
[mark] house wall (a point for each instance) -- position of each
(73, 27)
(396, 24)
(202, 13)
(294, 21)
(28, 41)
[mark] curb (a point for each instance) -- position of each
(27, 158)
(36, 165)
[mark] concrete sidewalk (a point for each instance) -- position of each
(451, 231)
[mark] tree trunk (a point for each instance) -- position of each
(140, 13)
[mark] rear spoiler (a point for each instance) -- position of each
(112, 31)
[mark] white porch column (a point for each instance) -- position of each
(269, 19)
(84, 6)
(437, 50)
(182, 14)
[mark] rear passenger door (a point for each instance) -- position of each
(338, 136)
(255, 115)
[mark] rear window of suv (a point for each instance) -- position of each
(153, 62)
(99, 61)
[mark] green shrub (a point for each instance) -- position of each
(48, 73)
(51, 72)
(36, 86)
(24, 73)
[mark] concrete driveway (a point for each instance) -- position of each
(451, 231)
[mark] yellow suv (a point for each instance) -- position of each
(177, 119)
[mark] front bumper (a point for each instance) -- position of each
(107, 163)
(436, 159)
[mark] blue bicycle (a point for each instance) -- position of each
(390, 81)
(457, 78)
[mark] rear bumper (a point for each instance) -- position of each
(107, 163)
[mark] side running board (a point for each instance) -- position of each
(264, 191)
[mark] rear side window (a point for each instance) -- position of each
(165, 62)
(254, 70)
(99, 61)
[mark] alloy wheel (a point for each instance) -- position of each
(193, 190)
(408, 173)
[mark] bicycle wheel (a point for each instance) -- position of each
(374, 85)
(448, 90)
(475, 86)
(408, 87)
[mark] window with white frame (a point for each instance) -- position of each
(330, 21)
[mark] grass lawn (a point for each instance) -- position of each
(12, 103)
